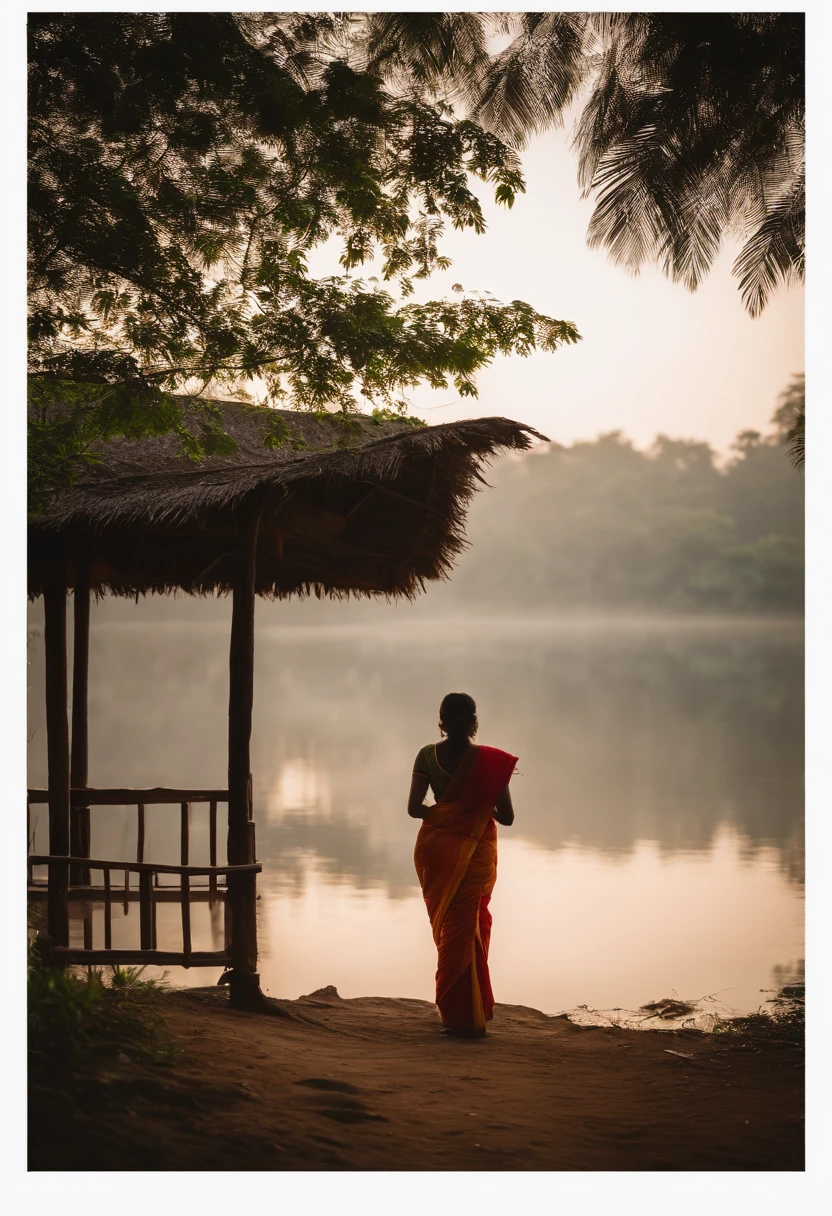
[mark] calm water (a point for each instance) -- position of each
(657, 848)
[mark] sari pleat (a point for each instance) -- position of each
(456, 861)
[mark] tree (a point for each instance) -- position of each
(605, 526)
(692, 125)
(182, 166)
(790, 420)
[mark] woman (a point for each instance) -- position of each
(456, 858)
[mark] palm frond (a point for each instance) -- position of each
(627, 219)
(527, 86)
(775, 252)
(796, 445)
(693, 126)
(427, 47)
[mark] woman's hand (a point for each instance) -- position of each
(504, 811)
(416, 808)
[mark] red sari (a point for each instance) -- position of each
(456, 861)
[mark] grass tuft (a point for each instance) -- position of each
(784, 1023)
(76, 1021)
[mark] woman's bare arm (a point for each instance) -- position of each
(416, 808)
(504, 811)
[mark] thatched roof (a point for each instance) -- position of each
(377, 510)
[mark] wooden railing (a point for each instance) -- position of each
(140, 798)
(73, 873)
(147, 872)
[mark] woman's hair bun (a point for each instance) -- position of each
(458, 715)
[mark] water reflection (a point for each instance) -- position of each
(571, 927)
(658, 841)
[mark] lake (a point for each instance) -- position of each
(658, 843)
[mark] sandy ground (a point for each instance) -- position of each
(374, 1084)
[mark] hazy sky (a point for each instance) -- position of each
(654, 357)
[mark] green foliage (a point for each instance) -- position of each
(69, 421)
(603, 525)
(278, 434)
(182, 166)
(74, 1021)
(379, 416)
(60, 1011)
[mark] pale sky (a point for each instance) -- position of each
(654, 357)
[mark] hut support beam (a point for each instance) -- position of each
(57, 745)
(243, 980)
(79, 822)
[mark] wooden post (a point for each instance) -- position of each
(146, 910)
(184, 832)
(186, 919)
(79, 816)
(140, 837)
(212, 846)
(242, 890)
(29, 841)
(57, 742)
(108, 913)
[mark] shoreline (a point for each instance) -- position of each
(372, 1083)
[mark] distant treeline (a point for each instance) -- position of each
(602, 524)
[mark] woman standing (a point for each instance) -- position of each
(456, 857)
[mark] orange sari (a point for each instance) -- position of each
(456, 861)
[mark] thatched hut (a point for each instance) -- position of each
(373, 508)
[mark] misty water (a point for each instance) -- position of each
(658, 844)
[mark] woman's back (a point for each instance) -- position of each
(438, 762)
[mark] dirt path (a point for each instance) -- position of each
(373, 1084)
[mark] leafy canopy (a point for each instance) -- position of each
(691, 125)
(182, 168)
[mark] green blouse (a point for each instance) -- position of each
(426, 765)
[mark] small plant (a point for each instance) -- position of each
(75, 1020)
(61, 1010)
(130, 977)
(784, 1023)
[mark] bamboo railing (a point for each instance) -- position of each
(147, 910)
(140, 798)
(150, 890)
